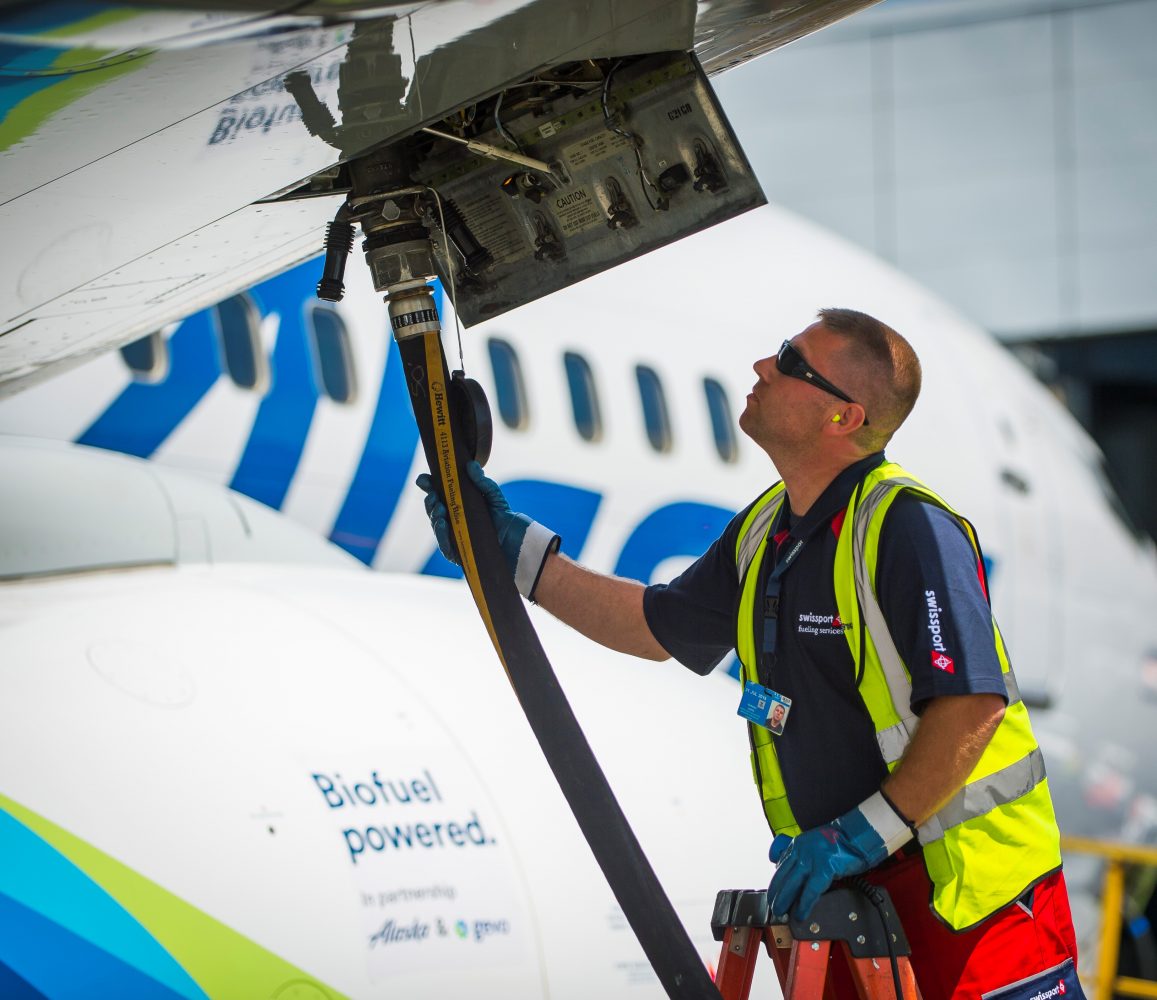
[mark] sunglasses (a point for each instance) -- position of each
(791, 363)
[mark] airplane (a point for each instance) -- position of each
(169, 169)
(237, 763)
(157, 158)
(624, 479)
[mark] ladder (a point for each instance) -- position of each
(868, 934)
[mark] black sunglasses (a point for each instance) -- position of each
(791, 363)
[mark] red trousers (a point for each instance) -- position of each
(1010, 946)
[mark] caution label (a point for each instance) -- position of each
(598, 147)
(576, 210)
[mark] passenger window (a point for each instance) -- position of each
(239, 334)
(722, 427)
(508, 384)
(584, 398)
(147, 358)
(655, 416)
(332, 354)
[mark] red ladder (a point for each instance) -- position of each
(802, 952)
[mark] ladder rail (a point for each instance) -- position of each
(802, 953)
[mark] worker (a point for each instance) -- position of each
(856, 598)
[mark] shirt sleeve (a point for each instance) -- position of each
(929, 587)
(693, 616)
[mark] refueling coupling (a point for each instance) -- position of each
(391, 211)
(387, 206)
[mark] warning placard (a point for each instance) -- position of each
(598, 147)
(576, 210)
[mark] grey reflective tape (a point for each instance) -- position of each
(749, 543)
(983, 795)
(882, 818)
(1012, 689)
(896, 676)
(893, 741)
(930, 830)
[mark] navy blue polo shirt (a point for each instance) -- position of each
(931, 592)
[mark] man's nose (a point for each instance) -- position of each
(763, 368)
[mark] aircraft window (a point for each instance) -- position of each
(583, 397)
(239, 334)
(655, 415)
(147, 358)
(721, 424)
(332, 354)
(508, 384)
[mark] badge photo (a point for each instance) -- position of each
(764, 707)
(777, 713)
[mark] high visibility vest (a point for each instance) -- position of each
(997, 836)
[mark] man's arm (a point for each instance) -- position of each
(953, 732)
(607, 609)
(937, 612)
(931, 597)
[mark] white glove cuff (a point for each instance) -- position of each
(891, 827)
(538, 542)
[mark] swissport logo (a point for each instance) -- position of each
(934, 613)
(942, 661)
(1056, 991)
(817, 623)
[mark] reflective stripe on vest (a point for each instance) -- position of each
(1003, 809)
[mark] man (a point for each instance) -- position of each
(775, 721)
(855, 595)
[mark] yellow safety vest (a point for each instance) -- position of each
(997, 836)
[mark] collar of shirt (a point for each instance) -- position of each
(834, 498)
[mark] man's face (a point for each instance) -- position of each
(784, 414)
(777, 715)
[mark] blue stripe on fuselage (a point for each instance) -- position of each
(678, 529)
(384, 468)
(139, 420)
(277, 438)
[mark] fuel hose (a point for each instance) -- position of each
(626, 868)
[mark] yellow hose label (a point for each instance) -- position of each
(451, 486)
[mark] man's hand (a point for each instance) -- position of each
(807, 865)
(524, 542)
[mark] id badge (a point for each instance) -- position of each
(764, 707)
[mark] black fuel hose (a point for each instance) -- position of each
(628, 872)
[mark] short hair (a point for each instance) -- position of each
(888, 372)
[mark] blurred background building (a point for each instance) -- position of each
(1004, 154)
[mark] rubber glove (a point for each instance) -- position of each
(807, 865)
(525, 543)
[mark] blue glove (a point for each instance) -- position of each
(524, 542)
(807, 865)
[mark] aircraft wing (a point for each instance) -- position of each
(155, 162)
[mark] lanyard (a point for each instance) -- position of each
(771, 598)
(771, 589)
